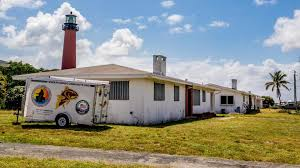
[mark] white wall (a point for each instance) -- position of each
(163, 111)
(204, 106)
(119, 110)
(143, 107)
(238, 101)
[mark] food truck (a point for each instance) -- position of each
(66, 101)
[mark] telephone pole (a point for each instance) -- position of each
(295, 89)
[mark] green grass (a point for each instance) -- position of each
(267, 136)
(22, 162)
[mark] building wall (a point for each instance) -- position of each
(128, 111)
(141, 109)
(238, 101)
(204, 106)
(163, 111)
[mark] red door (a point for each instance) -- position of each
(188, 101)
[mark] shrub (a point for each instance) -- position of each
(14, 97)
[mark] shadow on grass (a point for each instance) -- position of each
(253, 112)
(180, 122)
(173, 123)
(97, 128)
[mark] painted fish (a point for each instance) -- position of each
(65, 97)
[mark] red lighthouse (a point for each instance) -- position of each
(69, 52)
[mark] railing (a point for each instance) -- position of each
(70, 26)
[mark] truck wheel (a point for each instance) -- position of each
(62, 121)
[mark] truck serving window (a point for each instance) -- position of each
(119, 90)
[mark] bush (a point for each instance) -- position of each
(14, 96)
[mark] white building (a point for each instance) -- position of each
(229, 100)
(143, 98)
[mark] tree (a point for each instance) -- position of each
(3, 84)
(17, 68)
(278, 81)
(14, 97)
(11, 90)
(268, 101)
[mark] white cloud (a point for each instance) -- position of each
(42, 29)
(164, 15)
(41, 39)
(265, 2)
(154, 19)
(142, 27)
(187, 28)
(139, 17)
(121, 21)
(5, 5)
(174, 19)
(286, 33)
(119, 45)
(167, 4)
(219, 24)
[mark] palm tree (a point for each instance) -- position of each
(277, 82)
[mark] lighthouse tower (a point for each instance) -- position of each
(69, 52)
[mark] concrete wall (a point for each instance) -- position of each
(204, 106)
(163, 111)
(142, 109)
(128, 111)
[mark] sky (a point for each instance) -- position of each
(205, 41)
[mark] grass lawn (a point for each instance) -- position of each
(21, 162)
(267, 136)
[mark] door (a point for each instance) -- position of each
(188, 101)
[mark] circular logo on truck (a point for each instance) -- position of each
(82, 107)
(41, 95)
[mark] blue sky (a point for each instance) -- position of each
(222, 34)
(250, 25)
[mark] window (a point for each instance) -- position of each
(223, 99)
(119, 90)
(244, 99)
(227, 100)
(203, 96)
(196, 97)
(176, 93)
(159, 92)
(230, 100)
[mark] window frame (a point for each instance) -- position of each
(204, 96)
(118, 90)
(176, 96)
(227, 98)
(196, 103)
(156, 96)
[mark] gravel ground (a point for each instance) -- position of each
(124, 157)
